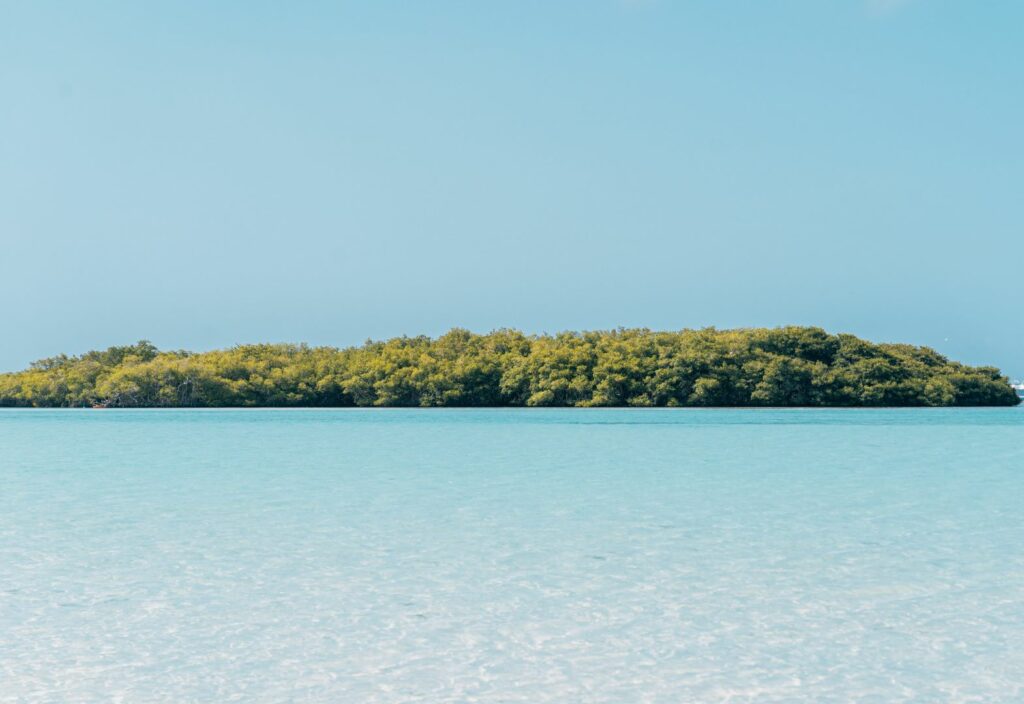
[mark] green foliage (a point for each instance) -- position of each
(790, 366)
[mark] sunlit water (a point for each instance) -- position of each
(512, 556)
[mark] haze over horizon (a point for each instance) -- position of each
(206, 176)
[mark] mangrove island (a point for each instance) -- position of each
(786, 366)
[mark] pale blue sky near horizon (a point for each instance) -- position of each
(203, 174)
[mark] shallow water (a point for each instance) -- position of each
(512, 556)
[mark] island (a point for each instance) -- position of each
(785, 366)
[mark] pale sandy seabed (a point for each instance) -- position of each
(512, 556)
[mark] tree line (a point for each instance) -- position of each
(788, 366)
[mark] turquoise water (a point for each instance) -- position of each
(512, 556)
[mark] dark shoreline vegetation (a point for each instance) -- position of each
(789, 366)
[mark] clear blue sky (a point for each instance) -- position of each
(204, 174)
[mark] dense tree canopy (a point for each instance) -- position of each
(790, 366)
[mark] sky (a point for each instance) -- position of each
(207, 174)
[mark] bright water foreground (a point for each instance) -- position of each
(512, 556)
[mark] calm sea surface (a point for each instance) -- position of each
(517, 555)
